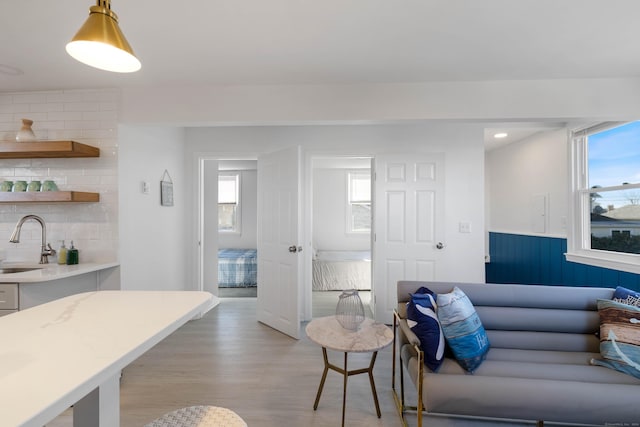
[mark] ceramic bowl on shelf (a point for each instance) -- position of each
(6, 185)
(34, 186)
(49, 185)
(19, 186)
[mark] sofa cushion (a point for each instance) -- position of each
(463, 329)
(502, 388)
(541, 356)
(626, 296)
(549, 371)
(556, 341)
(619, 337)
(423, 321)
(578, 402)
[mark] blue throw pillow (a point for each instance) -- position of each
(423, 321)
(463, 329)
(627, 296)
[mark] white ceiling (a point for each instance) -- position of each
(515, 132)
(258, 42)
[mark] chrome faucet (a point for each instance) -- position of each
(44, 252)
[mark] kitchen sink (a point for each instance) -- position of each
(9, 270)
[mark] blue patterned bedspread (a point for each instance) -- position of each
(237, 268)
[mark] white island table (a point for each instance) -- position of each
(71, 352)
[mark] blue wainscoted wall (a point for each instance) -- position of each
(516, 258)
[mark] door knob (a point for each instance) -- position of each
(294, 249)
(440, 245)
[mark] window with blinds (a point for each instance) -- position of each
(359, 201)
(606, 196)
(229, 202)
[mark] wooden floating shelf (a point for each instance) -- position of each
(49, 197)
(46, 149)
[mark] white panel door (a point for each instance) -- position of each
(279, 258)
(209, 226)
(408, 224)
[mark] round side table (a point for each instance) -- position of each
(369, 338)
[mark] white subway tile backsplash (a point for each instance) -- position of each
(52, 125)
(81, 106)
(83, 181)
(49, 107)
(87, 116)
(71, 96)
(81, 124)
(64, 115)
(29, 98)
(100, 115)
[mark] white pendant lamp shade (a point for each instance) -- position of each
(100, 43)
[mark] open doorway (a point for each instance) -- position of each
(341, 231)
(341, 226)
(279, 280)
(237, 228)
(230, 227)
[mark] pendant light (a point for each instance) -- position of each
(100, 43)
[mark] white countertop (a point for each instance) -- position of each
(54, 354)
(46, 272)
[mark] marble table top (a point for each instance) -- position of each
(370, 336)
(55, 353)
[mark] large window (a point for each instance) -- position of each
(606, 196)
(229, 202)
(359, 202)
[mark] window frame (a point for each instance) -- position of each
(579, 233)
(350, 203)
(238, 211)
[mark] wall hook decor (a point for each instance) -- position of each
(166, 189)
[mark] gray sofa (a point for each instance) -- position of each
(542, 339)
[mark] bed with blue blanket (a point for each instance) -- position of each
(237, 268)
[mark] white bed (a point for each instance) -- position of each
(339, 270)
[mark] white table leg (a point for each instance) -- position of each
(101, 407)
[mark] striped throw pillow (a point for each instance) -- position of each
(619, 337)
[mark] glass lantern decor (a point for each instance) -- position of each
(350, 311)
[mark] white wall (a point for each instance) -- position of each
(435, 102)
(153, 254)
(86, 116)
(462, 145)
(248, 236)
(329, 212)
(522, 100)
(92, 116)
(519, 172)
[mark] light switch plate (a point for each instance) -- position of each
(145, 187)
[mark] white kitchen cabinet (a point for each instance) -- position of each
(36, 293)
(51, 282)
(8, 298)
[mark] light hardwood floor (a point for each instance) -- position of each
(228, 359)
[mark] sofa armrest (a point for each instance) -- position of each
(410, 337)
(407, 335)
